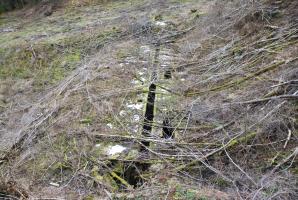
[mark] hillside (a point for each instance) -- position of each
(149, 99)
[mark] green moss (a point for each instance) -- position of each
(294, 171)
(182, 1)
(122, 54)
(158, 17)
(185, 194)
(49, 61)
(95, 174)
(108, 179)
(72, 58)
(242, 140)
(61, 166)
(133, 154)
(86, 121)
(220, 182)
(279, 157)
(89, 197)
(121, 4)
(39, 165)
(57, 160)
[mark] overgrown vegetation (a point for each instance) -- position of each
(6, 5)
(49, 62)
(151, 100)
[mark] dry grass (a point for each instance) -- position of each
(231, 103)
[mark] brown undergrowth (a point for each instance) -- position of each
(228, 97)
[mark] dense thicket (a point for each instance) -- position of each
(7, 5)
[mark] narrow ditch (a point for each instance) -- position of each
(167, 129)
(11, 191)
(149, 115)
(132, 171)
(150, 103)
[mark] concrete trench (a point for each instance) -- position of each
(162, 69)
(151, 108)
(150, 103)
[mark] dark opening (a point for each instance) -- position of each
(149, 112)
(168, 74)
(149, 115)
(10, 191)
(167, 129)
(132, 174)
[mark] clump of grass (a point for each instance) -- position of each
(44, 63)
(182, 193)
(58, 159)
(50, 61)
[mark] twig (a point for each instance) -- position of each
(294, 97)
(163, 141)
(124, 182)
(230, 142)
(240, 168)
(239, 81)
(286, 83)
(288, 138)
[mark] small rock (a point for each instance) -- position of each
(54, 184)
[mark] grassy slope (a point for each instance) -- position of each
(72, 66)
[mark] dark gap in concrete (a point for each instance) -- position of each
(132, 173)
(168, 74)
(149, 112)
(149, 115)
(167, 129)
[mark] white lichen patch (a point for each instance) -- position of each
(135, 82)
(110, 125)
(145, 49)
(160, 23)
(54, 184)
(122, 113)
(136, 118)
(130, 60)
(115, 149)
(165, 59)
(137, 106)
(136, 129)
(141, 73)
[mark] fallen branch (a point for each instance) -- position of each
(288, 138)
(162, 141)
(232, 142)
(286, 83)
(284, 161)
(240, 81)
(290, 97)
(122, 181)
